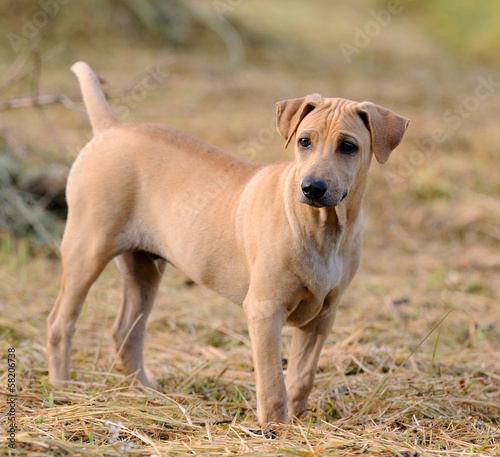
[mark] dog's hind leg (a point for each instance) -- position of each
(141, 275)
(82, 261)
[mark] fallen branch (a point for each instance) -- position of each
(68, 100)
(29, 102)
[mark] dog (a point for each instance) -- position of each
(282, 239)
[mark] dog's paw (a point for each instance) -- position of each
(268, 433)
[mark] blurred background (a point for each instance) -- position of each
(215, 69)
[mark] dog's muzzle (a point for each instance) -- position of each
(314, 192)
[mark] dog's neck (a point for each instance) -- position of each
(326, 228)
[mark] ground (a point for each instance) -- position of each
(412, 365)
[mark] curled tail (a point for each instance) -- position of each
(99, 111)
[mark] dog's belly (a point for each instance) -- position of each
(227, 278)
(213, 262)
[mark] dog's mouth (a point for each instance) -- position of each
(327, 201)
(317, 203)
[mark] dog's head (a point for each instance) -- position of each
(334, 142)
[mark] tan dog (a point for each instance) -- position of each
(282, 239)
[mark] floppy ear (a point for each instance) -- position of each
(386, 129)
(289, 114)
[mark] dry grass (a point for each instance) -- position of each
(412, 365)
(398, 374)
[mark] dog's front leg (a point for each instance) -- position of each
(306, 346)
(265, 321)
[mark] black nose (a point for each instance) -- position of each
(314, 189)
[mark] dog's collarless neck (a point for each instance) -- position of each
(323, 227)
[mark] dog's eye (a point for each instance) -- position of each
(305, 143)
(348, 147)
